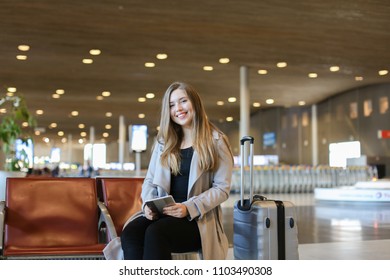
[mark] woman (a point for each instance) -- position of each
(191, 161)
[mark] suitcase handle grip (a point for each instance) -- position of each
(247, 138)
(242, 141)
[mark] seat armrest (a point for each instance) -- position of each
(2, 220)
(106, 217)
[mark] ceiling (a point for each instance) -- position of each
(310, 36)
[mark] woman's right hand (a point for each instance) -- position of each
(149, 214)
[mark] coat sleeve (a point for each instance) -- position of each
(216, 185)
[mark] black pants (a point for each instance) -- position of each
(156, 240)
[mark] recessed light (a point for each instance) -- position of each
(60, 91)
(87, 61)
(60, 133)
(39, 112)
(106, 93)
(220, 103)
(334, 68)
(74, 113)
(99, 97)
(21, 57)
(162, 56)
(141, 116)
(150, 64)
(23, 48)
(224, 60)
(281, 64)
(106, 134)
(256, 104)
(262, 72)
(141, 99)
(359, 78)
(53, 125)
(55, 96)
(95, 52)
(383, 72)
(108, 114)
(270, 101)
(232, 99)
(229, 119)
(81, 125)
(150, 95)
(108, 126)
(312, 75)
(83, 134)
(11, 89)
(208, 68)
(301, 103)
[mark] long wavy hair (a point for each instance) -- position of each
(171, 134)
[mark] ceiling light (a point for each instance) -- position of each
(208, 68)
(83, 134)
(74, 113)
(256, 104)
(95, 52)
(313, 75)
(60, 133)
(25, 124)
(106, 134)
(232, 99)
(141, 99)
(281, 64)
(358, 78)
(149, 64)
(262, 72)
(141, 116)
(150, 95)
(224, 60)
(108, 114)
(10, 94)
(11, 89)
(301, 103)
(108, 126)
(60, 91)
(37, 132)
(53, 125)
(99, 97)
(81, 125)
(46, 140)
(383, 72)
(23, 48)
(162, 56)
(87, 61)
(81, 141)
(55, 96)
(334, 68)
(106, 93)
(39, 112)
(229, 119)
(270, 101)
(220, 103)
(21, 57)
(63, 140)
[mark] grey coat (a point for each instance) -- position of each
(206, 191)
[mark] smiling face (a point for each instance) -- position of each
(181, 109)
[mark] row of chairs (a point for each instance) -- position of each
(65, 218)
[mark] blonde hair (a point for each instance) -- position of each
(171, 134)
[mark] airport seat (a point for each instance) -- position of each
(121, 198)
(51, 218)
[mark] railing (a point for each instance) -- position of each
(300, 178)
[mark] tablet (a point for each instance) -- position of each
(157, 204)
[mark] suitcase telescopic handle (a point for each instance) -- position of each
(251, 141)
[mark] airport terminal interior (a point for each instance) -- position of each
(309, 80)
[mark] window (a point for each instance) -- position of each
(383, 105)
(367, 107)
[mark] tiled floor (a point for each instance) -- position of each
(332, 230)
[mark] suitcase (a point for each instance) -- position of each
(262, 229)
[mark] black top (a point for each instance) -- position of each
(179, 183)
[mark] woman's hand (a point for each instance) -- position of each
(177, 210)
(149, 214)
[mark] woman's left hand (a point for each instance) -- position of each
(177, 210)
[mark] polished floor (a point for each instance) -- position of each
(332, 230)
